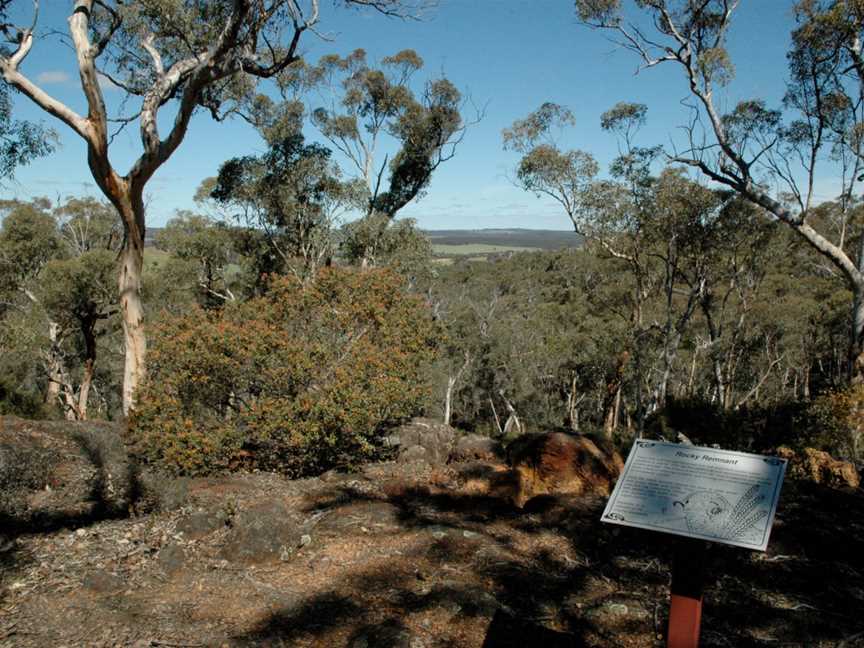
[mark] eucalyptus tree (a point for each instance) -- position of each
(20, 141)
(667, 233)
(570, 178)
(87, 224)
(184, 53)
(293, 193)
(207, 247)
(774, 158)
(55, 266)
(78, 294)
(364, 103)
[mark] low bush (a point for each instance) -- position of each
(834, 422)
(22, 470)
(299, 380)
(18, 401)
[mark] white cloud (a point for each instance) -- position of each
(52, 76)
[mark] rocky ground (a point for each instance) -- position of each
(407, 555)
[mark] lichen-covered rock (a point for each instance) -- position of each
(476, 447)
(265, 532)
(171, 558)
(557, 463)
(201, 522)
(436, 439)
(820, 467)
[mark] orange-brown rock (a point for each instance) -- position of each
(557, 463)
(820, 467)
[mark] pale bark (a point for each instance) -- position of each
(233, 51)
(58, 376)
(573, 402)
(612, 401)
(726, 163)
(495, 415)
(856, 352)
(451, 385)
(131, 307)
(513, 421)
(87, 330)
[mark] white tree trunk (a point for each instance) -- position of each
(856, 358)
(448, 398)
(59, 387)
(451, 384)
(132, 309)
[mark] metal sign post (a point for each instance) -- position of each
(685, 611)
(702, 494)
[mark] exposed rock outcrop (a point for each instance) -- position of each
(476, 447)
(820, 467)
(262, 533)
(557, 463)
(423, 439)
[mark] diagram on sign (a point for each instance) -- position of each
(711, 514)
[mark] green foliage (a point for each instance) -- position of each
(604, 12)
(537, 127)
(20, 141)
(624, 118)
(81, 288)
(400, 247)
(17, 400)
(715, 66)
(424, 128)
(28, 239)
(87, 224)
(203, 251)
(834, 422)
(299, 380)
(831, 422)
(292, 193)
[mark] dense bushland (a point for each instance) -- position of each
(298, 380)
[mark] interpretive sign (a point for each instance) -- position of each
(703, 493)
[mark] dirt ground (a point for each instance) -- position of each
(412, 557)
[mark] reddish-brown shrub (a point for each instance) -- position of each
(299, 380)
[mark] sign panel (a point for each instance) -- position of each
(704, 493)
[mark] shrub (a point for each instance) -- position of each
(834, 422)
(299, 380)
(22, 470)
(17, 400)
(749, 429)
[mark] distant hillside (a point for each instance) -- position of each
(511, 238)
(493, 238)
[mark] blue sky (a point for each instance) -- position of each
(508, 55)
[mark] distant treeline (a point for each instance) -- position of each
(519, 238)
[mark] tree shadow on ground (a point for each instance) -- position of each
(466, 564)
(806, 590)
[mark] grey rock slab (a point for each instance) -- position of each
(261, 533)
(171, 558)
(200, 523)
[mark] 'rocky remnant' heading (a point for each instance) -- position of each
(705, 457)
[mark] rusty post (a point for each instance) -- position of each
(685, 612)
